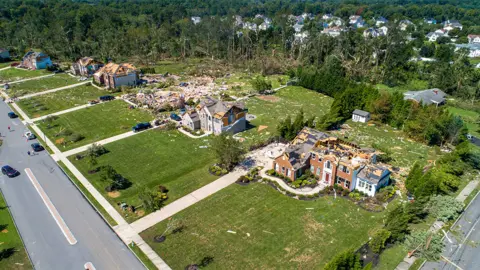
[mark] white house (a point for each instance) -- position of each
(404, 24)
(473, 49)
(217, 116)
(474, 39)
(449, 25)
(356, 21)
(371, 178)
(360, 116)
(327, 16)
(264, 26)
(191, 120)
(196, 20)
(332, 31)
(297, 27)
(380, 21)
(433, 36)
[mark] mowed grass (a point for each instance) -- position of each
(270, 110)
(94, 123)
(240, 84)
(11, 243)
(58, 101)
(40, 85)
(404, 150)
(469, 117)
(410, 86)
(272, 230)
(154, 158)
(15, 74)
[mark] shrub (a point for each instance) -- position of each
(345, 192)
(75, 137)
(377, 243)
(270, 172)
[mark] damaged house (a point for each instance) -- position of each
(36, 60)
(85, 66)
(115, 75)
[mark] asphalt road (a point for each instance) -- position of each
(462, 246)
(44, 240)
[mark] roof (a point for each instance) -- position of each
(3, 50)
(194, 116)
(361, 113)
(116, 69)
(218, 108)
(426, 97)
(85, 61)
(373, 173)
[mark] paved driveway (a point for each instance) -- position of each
(45, 242)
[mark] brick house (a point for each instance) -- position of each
(85, 66)
(332, 161)
(115, 75)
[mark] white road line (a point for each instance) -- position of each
(89, 266)
(60, 222)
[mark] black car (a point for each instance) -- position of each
(9, 171)
(106, 98)
(141, 126)
(37, 147)
(12, 115)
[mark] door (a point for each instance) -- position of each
(327, 178)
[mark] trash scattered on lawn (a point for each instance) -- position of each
(268, 232)
(248, 234)
(229, 231)
(203, 146)
(309, 208)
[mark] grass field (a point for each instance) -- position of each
(6, 64)
(14, 255)
(95, 123)
(469, 117)
(15, 74)
(243, 82)
(154, 158)
(273, 231)
(410, 86)
(40, 85)
(54, 102)
(404, 151)
(269, 110)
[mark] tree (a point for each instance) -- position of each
(228, 150)
(444, 208)
(261, 84)
(152, 200)
(397, 223)
(345, 260)
(425, 245)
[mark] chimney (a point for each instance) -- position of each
(436, 92)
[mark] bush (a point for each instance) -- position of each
(377, 243)
(270, 172)
(75, 137)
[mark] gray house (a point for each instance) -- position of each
(217, 116)
(191, 120)
(360, 116)
(4, 54)
(426, 97)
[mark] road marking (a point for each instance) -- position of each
(89, 266)
(60, 222)
(14, 123)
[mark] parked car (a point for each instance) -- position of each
(9, 171)
(30, 136)
(37, 147)
(12, 115)
(106, 98)
(141, 126)
(175, 117)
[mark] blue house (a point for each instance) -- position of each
(36, 60)
(4, 54)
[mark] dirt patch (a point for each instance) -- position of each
(4, 231)
(60, 141)
(36, 115)
(269, 98)
(140, 213)
(260, 128)
(312, 228)
(114, 194)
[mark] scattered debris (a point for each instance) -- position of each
(268, 232)
(229, 231)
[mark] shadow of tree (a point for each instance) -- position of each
(6, 253)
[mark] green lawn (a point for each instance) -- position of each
(58, 101)
(10, 242)
(404, 151)
(40, 85)
(273, 231)
(6, 64)
(95, 123)
(239, 84)
(15, 74)
(287, 101)
(410, 86)
(469, 117)
(154, 158)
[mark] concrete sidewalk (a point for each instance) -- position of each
(302, 191)
(192, 136)
(4, 68)
(52, 90)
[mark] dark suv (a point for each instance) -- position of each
(37, 147)
(141, 126)
(9, 171)
(106, 98)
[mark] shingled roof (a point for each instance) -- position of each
(426, 97)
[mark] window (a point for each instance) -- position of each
(347, 184)
(318, 171)
(361, 183)
(369, 187)
(313, 156)
(327, 165)
(283, 170)
(312, 168)
(276, 167)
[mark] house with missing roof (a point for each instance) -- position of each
(85, 66)
(115, 75)
(360, 116)
(426, 97)
(332, 161)
(4, 54)
(36, 60)
(215, 116)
